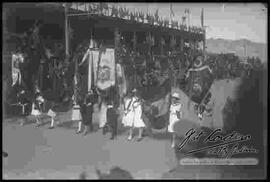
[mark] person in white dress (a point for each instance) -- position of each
(102, 115)
(127, 108)
(76, 114)
(52, 114)
(133, 115)
(175, 115)
(37, 109)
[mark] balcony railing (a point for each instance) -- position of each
(105, 9)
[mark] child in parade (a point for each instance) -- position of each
(175, 115)
(37, 109)
(77, 116)
(52, 114)
(133, 115)
(23, 103)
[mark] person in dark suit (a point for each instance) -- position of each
(112, 117)
(87, 112)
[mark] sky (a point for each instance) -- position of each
(223, 20)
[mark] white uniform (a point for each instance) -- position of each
(35, 112)
(126, 119)
(51, 113)
(76, 113)
(103, 115)
(173, 116)
(133, 114)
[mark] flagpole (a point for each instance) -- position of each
(66, 32)
(188, 19)
(204, 32)
(171, 11)
(170, 14)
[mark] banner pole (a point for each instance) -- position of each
(66, 31)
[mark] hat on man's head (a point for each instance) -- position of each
(176, 95)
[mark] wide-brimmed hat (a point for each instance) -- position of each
(176, 95)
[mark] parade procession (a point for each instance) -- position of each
(103, 68)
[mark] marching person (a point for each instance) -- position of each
(175, 115)
(77, 116)
(112, 117)
(77, 102)
(23, 102)
(103, 115)
(87, 112)
(37, 109)
(133, 115)
(52, 114)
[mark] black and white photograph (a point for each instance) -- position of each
(134, 90)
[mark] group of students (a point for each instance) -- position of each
(132, 117)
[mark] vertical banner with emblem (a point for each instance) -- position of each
(121, 79)
(106, 70)
(101, 72)
(16, 74)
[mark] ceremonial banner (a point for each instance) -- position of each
(16, 74)
(106, 69)
(92, 67)
(121, 80)
(101, 68)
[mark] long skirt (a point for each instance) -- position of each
(173, 120)
(51, 113)
(134, 118)
(76, 114)
(35, 112)
(87, 115)
(103, 115)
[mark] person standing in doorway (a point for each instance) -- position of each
(175, 115)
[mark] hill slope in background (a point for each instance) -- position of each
(237, 46)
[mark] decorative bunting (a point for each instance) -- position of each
(166, 23)
(152, 19)
(156, 16)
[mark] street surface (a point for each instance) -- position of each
(41, 153)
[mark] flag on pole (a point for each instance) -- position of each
(187, 15)
(171, 10)
(171, 14)
(223, 7)
(202, 17)
(156, 17)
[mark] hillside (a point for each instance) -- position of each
(237, 46)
